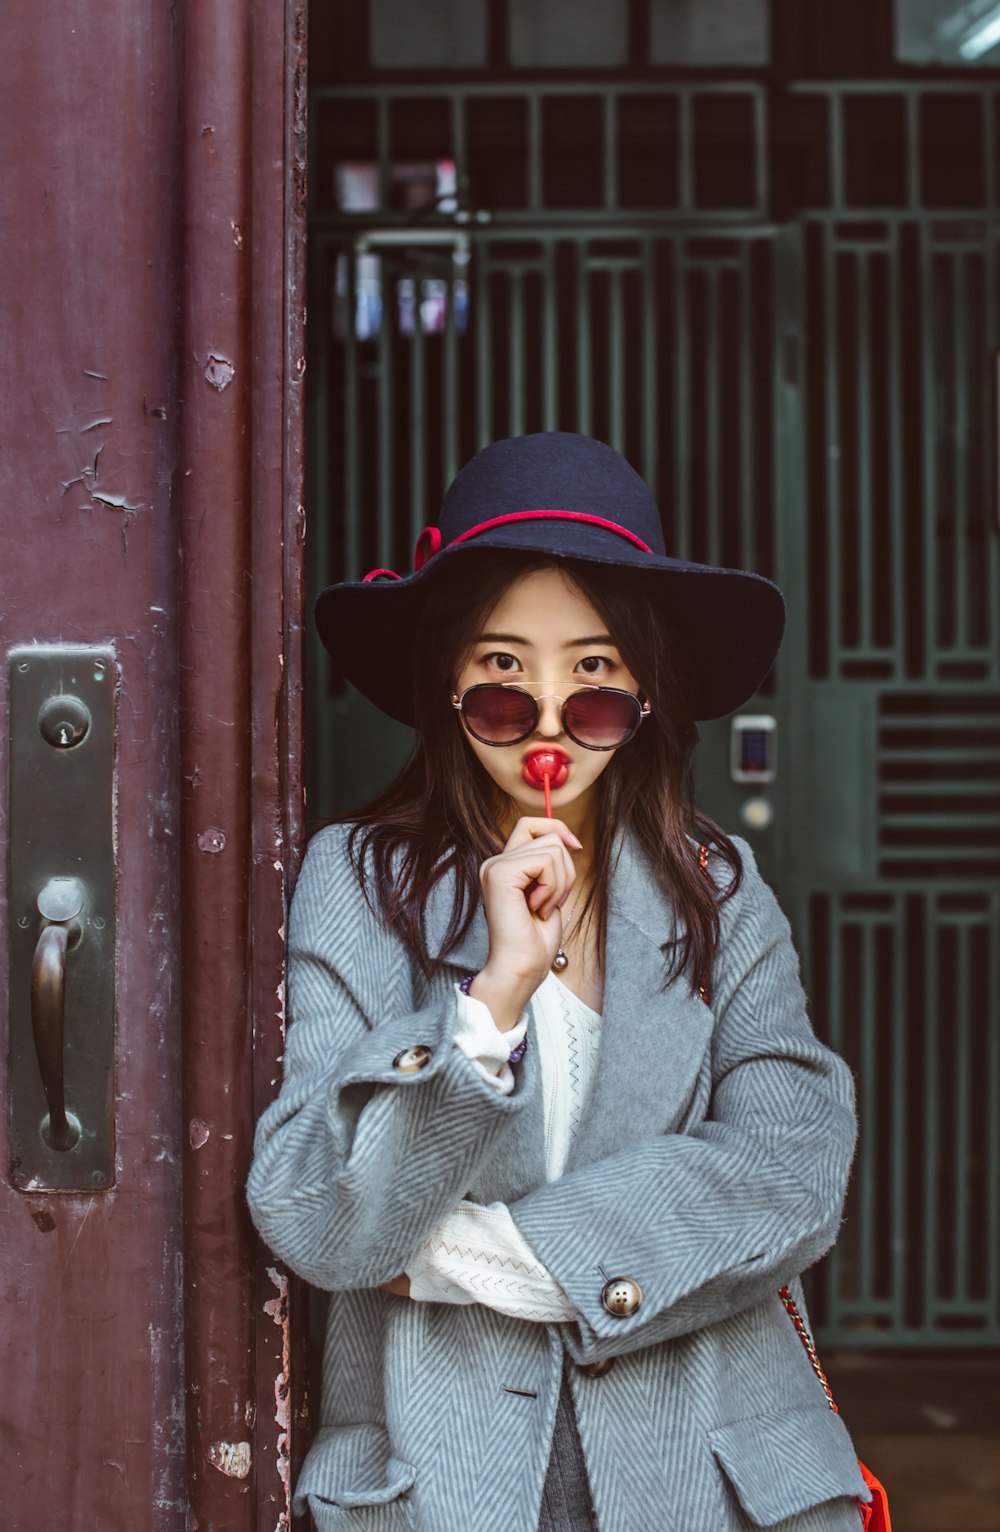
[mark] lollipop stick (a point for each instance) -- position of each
(548, 796)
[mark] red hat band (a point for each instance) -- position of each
(429, 541)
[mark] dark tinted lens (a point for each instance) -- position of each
(498, 715)
(602, 719)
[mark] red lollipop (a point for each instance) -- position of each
(544, 768)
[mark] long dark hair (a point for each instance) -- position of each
(442, 811)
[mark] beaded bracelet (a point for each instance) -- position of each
(517, 1054)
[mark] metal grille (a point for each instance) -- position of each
(900, 687)
(557, 149)
(903, 553)
(812, 398)
(907, 986)
(904, 146)
(939, 786)
(654, 342)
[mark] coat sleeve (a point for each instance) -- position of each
(716, 1218)
(355, 1160)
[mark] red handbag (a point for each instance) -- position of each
(875, 1513)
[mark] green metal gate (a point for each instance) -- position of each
(811, 398)
(896, 684)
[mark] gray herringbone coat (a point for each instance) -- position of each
(710, 1169)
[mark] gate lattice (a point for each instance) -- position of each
(812, 399)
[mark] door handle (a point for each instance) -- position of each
(61, 900)
(59, 905)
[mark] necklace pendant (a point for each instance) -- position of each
(560, 961)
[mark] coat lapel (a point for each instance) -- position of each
(653, 1042)
(517, 1165)
(472, 951)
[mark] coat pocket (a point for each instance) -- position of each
(782, 1463)
(351, 1468)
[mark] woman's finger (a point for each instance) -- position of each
(546, 842)
(563, 879)
(536, 846)
(544, 873)
(528, 829)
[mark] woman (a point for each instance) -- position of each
(554, 1128)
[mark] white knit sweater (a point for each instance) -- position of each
(477, 1254)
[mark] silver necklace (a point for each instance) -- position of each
(561, 961)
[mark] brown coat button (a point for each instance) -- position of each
(621, 1297)
(597, 1369)
(412, 1059)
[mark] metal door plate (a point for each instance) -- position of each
(61, 801)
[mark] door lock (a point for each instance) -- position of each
(61, 903)
(64, 722)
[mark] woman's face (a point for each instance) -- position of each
(543, 630)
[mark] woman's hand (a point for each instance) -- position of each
(524, 890)
(399, 1285)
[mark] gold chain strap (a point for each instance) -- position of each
(806, 1340)
(783, 1292)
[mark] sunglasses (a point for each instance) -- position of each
(596, 717)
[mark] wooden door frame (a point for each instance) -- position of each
(152, 461)
(241, 527)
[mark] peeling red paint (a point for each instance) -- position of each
(277, 1309)
(232, 1458)
(198, 1132)
(280, 1013)
(220, 372)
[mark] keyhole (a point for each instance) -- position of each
(64, 722)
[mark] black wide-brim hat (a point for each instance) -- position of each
(575, 498)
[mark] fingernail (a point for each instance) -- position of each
(577, 843)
